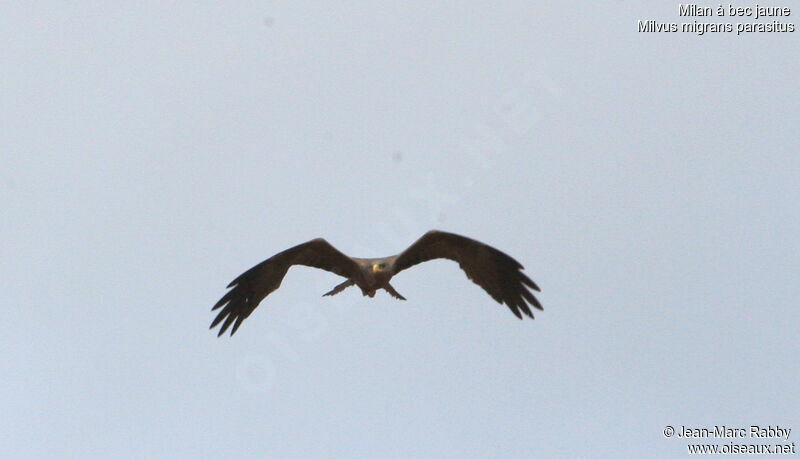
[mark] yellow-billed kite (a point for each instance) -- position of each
(497, 273)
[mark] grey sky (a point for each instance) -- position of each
(152, 152)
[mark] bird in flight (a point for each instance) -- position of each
(497, 273)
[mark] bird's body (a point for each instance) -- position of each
(497, 273)
(373, 274)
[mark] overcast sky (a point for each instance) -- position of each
(152, 152)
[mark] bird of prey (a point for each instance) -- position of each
(497, 273)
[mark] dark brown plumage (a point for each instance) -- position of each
(497, 273)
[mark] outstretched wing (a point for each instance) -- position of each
(497, 273)
(262, 279)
